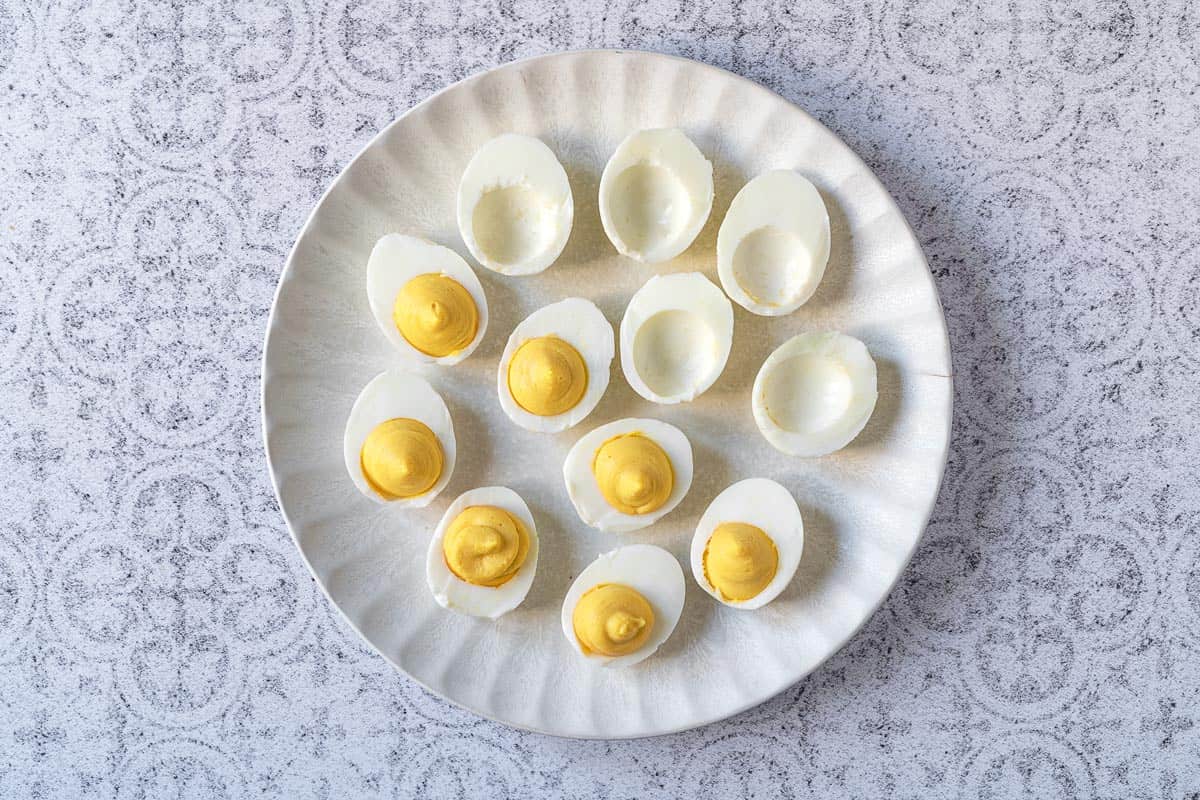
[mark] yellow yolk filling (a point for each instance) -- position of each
(547, 376)
(485, 545)
(436, 315)
(401, 458)
(634, 474)
(739, 560)
(612, 619)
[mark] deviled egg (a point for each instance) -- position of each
(483, 555)
(773, 243)
(515, 207)
(628, 474)
(675, 337)
(748, 543)
(815, 393)
(399, 442)
(624, 605)
(427, 300)
(554, 369)
(656, 193)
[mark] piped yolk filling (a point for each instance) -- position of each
(485, 545)
(547, 376)
(612, 619)
(401, 458)
(739, 560)
(634, 473)
(436, 315)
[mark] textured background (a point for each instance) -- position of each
(159, 636)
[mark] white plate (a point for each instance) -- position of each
(864, 507)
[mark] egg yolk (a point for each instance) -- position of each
(436, 315)
(634, 474)
(401, 458)
(547, 376)
(485, 545)
(739, 560)
(612, 619)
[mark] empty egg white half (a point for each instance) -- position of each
(675, 337)
(656, 193)
(815, 393)
(515, 207)
(390, 395)
(395, 260)
(766, 505)
(451, 591)
(582, 325)
(773, 243)
(653, 573)
(584, 490)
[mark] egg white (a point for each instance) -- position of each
(653, 573)
(675, 337)
(515, 207)
(815, 393)
(656, 193)
(585, 494)
(768, 506)
(455, 594)
(395, 260)
(582, 325)
(392, 394)
(773, 244)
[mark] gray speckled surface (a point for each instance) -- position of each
(159, 636)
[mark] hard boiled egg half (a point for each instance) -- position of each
(655, 194)
(426, 299)
(675, 337)
(399, 443)
(483, 555)
(815, 393)
(628, 474)
(773, 243)
(748, 543)
(624, 605)
(515, 207)
(554, 369)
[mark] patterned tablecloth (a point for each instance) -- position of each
(159, 635)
